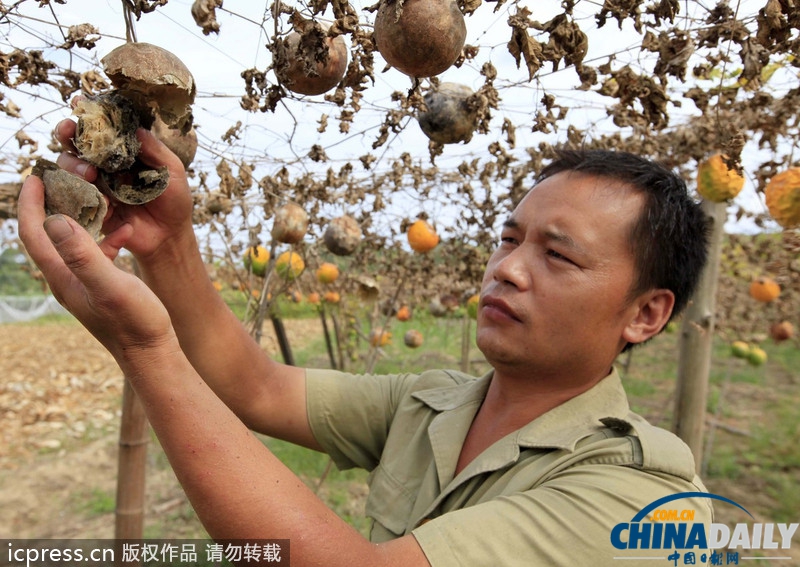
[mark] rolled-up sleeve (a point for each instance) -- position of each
(350, 414)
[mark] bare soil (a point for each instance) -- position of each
(60, 408)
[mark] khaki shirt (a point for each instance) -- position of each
(547, 494)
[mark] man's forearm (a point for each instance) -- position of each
(239, 489)
(212, 337)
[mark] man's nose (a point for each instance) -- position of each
(513, 269)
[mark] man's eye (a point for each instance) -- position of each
(558, 256)
(508, 240)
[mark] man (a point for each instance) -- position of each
(532, 464)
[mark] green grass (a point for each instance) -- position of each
(95, 502)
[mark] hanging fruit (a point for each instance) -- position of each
(764, 289)
(717, 182)
(290, 224)
(342, 236)
(289, 265)
(310, 62)
(449, 118)
(422, 237)
(420, 38)
(255, 260)
(782, 196)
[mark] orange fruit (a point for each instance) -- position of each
(255, 260)
(764, 289)
(313, 298)
(331, 297)
(782, 196)
(472, 306)
(327, 273)
(717, 183)
(404, 313)
(378, 337)
(422, 237)
(289, 265)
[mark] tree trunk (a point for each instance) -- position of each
(697, 333)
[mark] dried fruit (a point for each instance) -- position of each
(420, 38)
(183, 145)
(342, 236)
(155, 80)
(413, 339)
(781, 331)
(311, 69)
(782, 196)
(327, 273)
(290, 224)
(289, 265)
(764, 289)
(422, 237)
(716, 182)
(71, 195)
(255, 260)
(449, 118)
(105, 135)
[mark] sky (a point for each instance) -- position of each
(274, 140)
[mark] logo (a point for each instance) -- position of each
(665, 530)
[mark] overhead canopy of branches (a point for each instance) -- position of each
(646, 76)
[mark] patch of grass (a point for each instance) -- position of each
(95, 502)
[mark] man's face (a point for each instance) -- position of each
(554, 297)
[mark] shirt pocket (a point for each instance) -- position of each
(389, 504)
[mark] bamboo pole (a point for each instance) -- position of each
(132, 461)
(697, 332)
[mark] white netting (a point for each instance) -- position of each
(17, 309)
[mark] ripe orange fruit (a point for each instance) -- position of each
(327, 273)
(289, 265)
(782, 196)
(378, 337)
(313, 298)
(717, 183)
(422, 237)
(404, 313)
(764, 289)
(331, 297)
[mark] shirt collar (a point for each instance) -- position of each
(603, 405)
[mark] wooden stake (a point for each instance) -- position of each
(132, 463)
(697, 333)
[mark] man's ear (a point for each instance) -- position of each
(652, 312)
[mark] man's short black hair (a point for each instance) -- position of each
(670, 239)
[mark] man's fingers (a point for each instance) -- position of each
(79, 252)
(65, 132)
(155, 153)
(31, 215)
